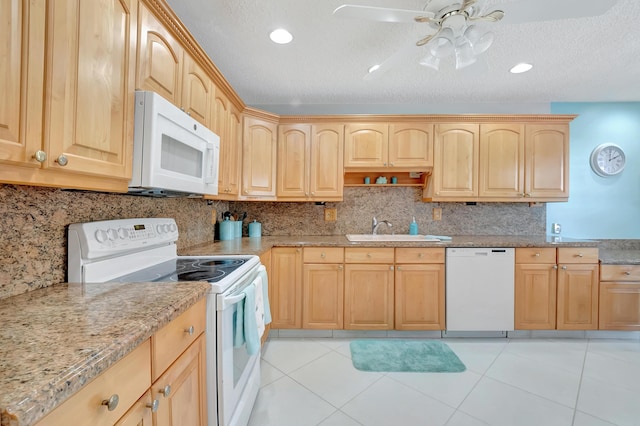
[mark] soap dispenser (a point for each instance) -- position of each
(413, 227)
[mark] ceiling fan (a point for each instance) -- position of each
(453, 25)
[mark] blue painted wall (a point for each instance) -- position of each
(600, 208)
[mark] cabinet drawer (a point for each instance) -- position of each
(129, 378)
(578, 255)
(533, 255)
(172, 339)
(368, 255)
(323, 255)
(619, 272)
(420, 255)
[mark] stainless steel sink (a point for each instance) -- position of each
(387, 237)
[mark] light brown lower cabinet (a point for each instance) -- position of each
(419, 289)
(323, 288)
(556, 288)
(619, 297)
(285, 295)
(124, 394)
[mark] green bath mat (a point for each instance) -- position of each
(388, 355)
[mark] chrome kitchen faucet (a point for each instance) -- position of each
(375, 224)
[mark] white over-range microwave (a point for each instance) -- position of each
(173, 154)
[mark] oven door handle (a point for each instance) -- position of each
(232, 300)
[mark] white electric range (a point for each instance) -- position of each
(143, 250)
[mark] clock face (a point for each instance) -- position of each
(607, 160)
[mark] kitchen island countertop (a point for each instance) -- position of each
(55, 340)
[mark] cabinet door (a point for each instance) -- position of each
(366, 145)
(326, 171)
(368, 297)
(285, 295)
(323, 296)
(419, 297)
(294, 151)
(547, 161)
(234, 152)
(21, 85)
(196, 91)
(619, 305)
(90, 78)
(259, 158)
(411, 145)
(455, 171)
(535, 296)
(502, 161)
(159, 58)
(578, 297)
(184, 401)
(140, 414)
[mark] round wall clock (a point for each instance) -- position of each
(607, 160)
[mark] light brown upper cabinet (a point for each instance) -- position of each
(310, 162)
(456, 154)
(165, 68)
(226, 122)
(500, 162)
(21, 85)
(259, 158)
(547, 162)
(159, 58)
(85, 140)
(402, 146)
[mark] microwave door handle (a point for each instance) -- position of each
(209, 163)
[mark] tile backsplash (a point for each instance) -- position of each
(398, 206)
(33, 241)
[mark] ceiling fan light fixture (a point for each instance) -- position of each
(479, 40)
(442, 46)
(520, 68)
(281, 36)
(465, 55)
(430, 61)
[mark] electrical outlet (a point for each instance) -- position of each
(556, 228)
(437, 213)
(330, 215)
(214, 216)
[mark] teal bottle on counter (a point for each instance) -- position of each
(413, 227)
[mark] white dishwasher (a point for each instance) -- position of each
(480, 289)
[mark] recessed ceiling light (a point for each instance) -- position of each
(520, 68)
(373, 68)
(281, 36)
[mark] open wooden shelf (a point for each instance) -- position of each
(356, 179)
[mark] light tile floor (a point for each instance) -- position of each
(510, 382)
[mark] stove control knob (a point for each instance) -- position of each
(123, 233)
(101, 236)
(159, 229)
(165, 228)
(172, 227)
(113, 234)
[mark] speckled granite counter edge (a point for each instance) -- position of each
(28, 408)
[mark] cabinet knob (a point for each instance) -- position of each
(322, 255)
(627, 273)
(40, 156)
(555, 266)
(391, 268)
(369, 255)
(112, 402)
(391, 164)
(398, 268)
(154, 405)
(522, 195)
(420, 255)
(313, 193)
(340, 267)
(528, 194)
(564, 268)
(385, 164)
(246, 191)
(297, 250)
(306, 194)
(190, 330)
(62, 160)
(166, 391)
(579, 255)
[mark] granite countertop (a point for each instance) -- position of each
(619, 256)
(56, 339)
(258, 246)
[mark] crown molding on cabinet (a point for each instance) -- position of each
(427, 118)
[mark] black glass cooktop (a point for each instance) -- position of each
(187, 269)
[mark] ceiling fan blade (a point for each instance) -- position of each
(467, 4)
(523, 11)
(381, 14)
(494, 16)
(400, 57)
(428, 38)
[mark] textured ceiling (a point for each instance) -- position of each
(576, 59)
